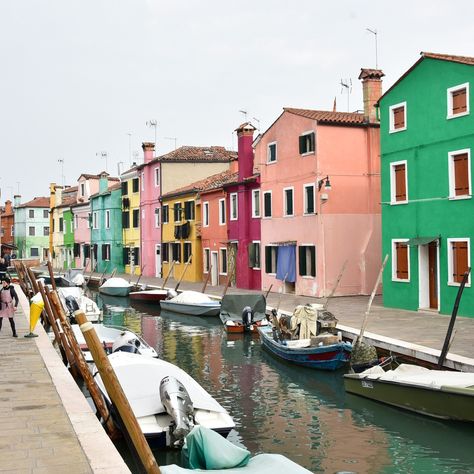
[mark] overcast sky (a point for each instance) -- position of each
(78, 76)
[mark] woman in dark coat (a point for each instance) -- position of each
(8, 303)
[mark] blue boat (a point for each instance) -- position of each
(330, 357)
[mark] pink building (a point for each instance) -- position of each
(320, 186)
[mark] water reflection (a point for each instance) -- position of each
(303, 414)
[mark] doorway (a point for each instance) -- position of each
(158, 260)
(214, 269)
(429, 275)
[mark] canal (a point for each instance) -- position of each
(301, 413)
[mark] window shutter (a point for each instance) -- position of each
(400, 183)
(309, 200)
(398, 117)
(268, 259)
(268, 205)
(459, 101)
(302, 140)
(460, 260)
(251, 254)
(402, 261)
(312, 252)
(104, 252)
(302, 260)
(461, 175)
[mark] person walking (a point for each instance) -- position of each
(3, 269)
(7, 309)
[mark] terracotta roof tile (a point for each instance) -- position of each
(347, 118)
(36, 202)
(449, 57)
(200, 153)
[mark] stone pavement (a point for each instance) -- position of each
(46, 424)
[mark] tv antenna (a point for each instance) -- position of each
(175, 139)
(258, 123)
(374, 32)
(152, 123)
(347, 85)
(244, 113)
(103, 154)
(61, 160)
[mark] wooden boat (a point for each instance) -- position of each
(142, 380)
(88, 306)
(116, 287)
(243, 312)
(150, 296)
(193, 303)
(437, 393)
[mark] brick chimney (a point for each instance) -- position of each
(8, 207)
(148, 151)
(372, 91)
(245, 149)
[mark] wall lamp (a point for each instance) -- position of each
(326, 182)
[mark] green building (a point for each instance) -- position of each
(427, 133)
(106, 231)
(68, 223)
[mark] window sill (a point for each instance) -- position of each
(460, 198)
(398, 280)
(272, 274)
(256, 268)
(308, 277)
(267, 217)
(220, 223)
(396, 130)
(397, 203)
(307, 153)
(289, 215)
(452, 283)
(271, 162)
(223, 274)
(256, 217)
(462, 114)
(309, 214)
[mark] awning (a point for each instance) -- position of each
(421, 240)
(9, 246)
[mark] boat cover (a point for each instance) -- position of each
(416, 375)
(192, 297)
(233, 305)
(116, 282)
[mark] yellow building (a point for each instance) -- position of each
(131, 220)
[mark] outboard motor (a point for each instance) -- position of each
(179, 406)
(126, 343)
(72, 306)
(171, 294)
(247, 317)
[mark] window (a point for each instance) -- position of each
(126, 219)
(398, 182)
(83, 189)
(45, 231)
(460, 173)
(31, 213)
(187, 251)
(307, 260)
(142, 179)
(288, 199)
(105, 251)
(95, 221)
(189, 210)
(234, 211)
(124, 188)
(398, 117)
(165, 214)
(223, 261)
(157, 177)
(267, 204)
(306, 142)
(136, 218)
(459, 259)
(107, 219)
(458, 100)
(309, 204)
(61, 224)
(207, 260)
(76, 221)
(221, 211)
(12, 231)
(205, 214)
(256, 203)
(254, 255)
(271, 253)
(176, 251)
(400, 260)
(31, 231)
(34, 252)
(89, 220)
(165, 252)
(271, 152)
(157, 217)
(135, 185)
(177, 211)
(45, 214)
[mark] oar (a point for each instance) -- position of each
(268, 291)
(207, 278)
(169, 273)
(103, 273)
(229, 279)
(186, 265)
(141, 273)
(334, 288)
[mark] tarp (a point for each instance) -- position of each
(421, 240)
(286, 263)
(233, 304)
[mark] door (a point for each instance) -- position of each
(214, 269)
(433, 274)
(158, 260)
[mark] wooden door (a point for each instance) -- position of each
(433, 274)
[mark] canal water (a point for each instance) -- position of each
(301, 413)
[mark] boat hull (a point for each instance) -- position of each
(115, 291)
(445, 402)
(149, 296)
(331, 357)
(191, 309)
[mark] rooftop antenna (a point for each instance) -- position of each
(130, 147)
(244, 113)
(258, 123)
(374, 32)
(103, 154)
(135, 156)
(61, 160)
(18, 187)
(347, 85)
(119, 167)
(152, 123)
(174, 139)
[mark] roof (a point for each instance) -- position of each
(214, 181)
(36, 202)
(325, 117)
(97, 176)
(67, 201)
(199, 153)
(442, 57)
(114, 187)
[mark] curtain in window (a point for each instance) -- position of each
(286, 263)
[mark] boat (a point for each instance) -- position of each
(116, 286)
(243, 312)
(166, 401)
(113, 339)
(193, 303)
(308, 338)
(441, 394)
(70, 278)
(85, 304)
(150, 296)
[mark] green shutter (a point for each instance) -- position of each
(251, 254)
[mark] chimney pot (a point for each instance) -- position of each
(372, 91)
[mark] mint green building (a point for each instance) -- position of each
(427, 134)
(69, 249)
(106, 225)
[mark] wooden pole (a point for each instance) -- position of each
(51, 275)
(229, 279)
(207, 278)
(169, 273)
(113, 273)
(102, 276)
(92, 271)
(116, 394)
(186, 265)
(334, 288)
(139, 277)
(268, 291)
(28, 284)
(49, 313)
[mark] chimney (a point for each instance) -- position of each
(103, 182)
(372, 91)
(245, 149)
(148, 151)
(16, 200)
(8, 207)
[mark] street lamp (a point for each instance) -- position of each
(326, 182)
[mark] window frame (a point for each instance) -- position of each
(449, 241)
(394, 261)
(257, 245)
(34, 256)
(31, 213)
(270, 144)
(273, 246)
(157, 217)
(206, 259)
(391, 117)
(305, 199)
(222, 260)
(107, 218)
(157, 173)
(449, 92)
(192, 206)
(393, 183)
(205, 214)
(222, 212)
(451, 174)
(137, 181)
(231, 196)
(45, 214)
(292, 188)
(165, 213)
(254, 199)
(135, 212)
(306, 275)
(45, 234)
(264, 216)
(305, 134)
(95, 221)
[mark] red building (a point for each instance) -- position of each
(7, 227)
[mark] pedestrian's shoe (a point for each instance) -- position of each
(15, 334)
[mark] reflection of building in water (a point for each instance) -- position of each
(151, 332)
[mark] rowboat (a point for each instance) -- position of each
(243, 312)
(149, 295)
(436, 393)
(193, 303)
(116, 287)
(85, 304)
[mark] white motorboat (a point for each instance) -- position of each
(193, 303)
(86, 305)
(114, 339)
(166, 400)
(116, 286)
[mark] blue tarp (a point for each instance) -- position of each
(286, 263)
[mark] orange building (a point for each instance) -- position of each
(7, 227)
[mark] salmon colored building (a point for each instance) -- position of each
(7, 229)
(320, 191)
